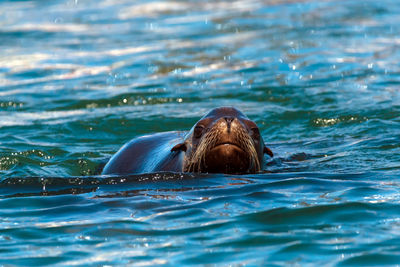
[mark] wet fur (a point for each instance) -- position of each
(196, 160)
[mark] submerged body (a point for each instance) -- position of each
(223, 141)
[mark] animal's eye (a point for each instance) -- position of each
(198, 131)
(255, 133)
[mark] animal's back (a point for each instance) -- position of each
(149, 153)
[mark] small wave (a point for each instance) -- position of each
(46, 186)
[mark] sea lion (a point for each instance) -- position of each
(223, 141)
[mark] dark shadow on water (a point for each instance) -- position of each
(128, 185)
(50, 186)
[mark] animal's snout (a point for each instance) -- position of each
(229, 121)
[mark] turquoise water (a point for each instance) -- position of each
(78, 79)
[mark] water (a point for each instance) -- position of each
(78, 79)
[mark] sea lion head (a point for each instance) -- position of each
(224, 141)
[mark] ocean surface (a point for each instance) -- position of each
(79, 78)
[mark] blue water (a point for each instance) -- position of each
(78, 79)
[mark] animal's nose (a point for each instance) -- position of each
(229, 122)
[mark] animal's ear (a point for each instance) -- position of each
(179, 147)
(268, 151)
